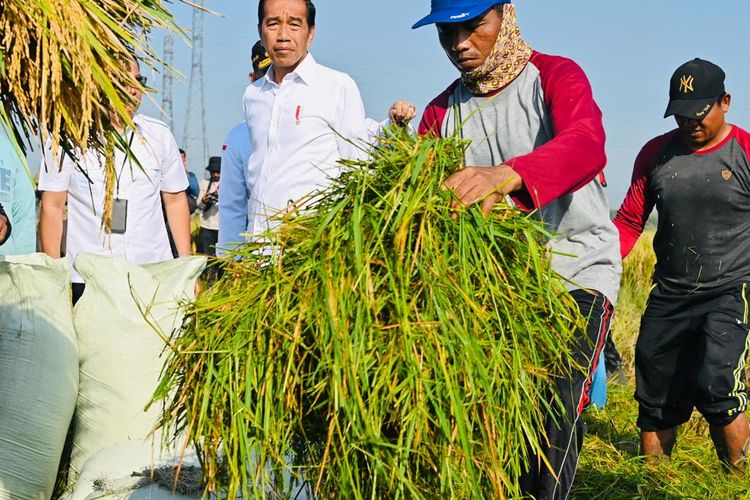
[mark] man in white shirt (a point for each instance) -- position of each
(245, 190)
(139, 233)
(300, 116)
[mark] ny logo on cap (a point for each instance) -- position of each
(686, 84)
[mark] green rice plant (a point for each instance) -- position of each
(377, 344)
(637, 270)
(611, 468)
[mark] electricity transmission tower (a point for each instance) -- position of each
(167, 115)
(196, 110)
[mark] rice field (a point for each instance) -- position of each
(610, 466)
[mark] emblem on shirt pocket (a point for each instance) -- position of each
(298, 116)
(726, 174)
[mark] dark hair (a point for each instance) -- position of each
(308, 3)
(182, 152)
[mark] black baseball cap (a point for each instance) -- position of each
(694, 89)
(260, 58)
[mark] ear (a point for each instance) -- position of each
(726, 102)
(310, 37)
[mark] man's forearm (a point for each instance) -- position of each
(51, 230)
(178, 218)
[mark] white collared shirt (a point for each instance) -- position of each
(298, 131)
(145, 239)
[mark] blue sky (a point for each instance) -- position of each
(628, 49)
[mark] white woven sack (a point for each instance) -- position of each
(121, 353)
(38, 373)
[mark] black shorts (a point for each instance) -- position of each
(691, 353)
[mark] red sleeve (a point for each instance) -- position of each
(575, 156)
(434, 113)
(743, 138)
(639, 202)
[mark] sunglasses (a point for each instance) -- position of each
(142, 79)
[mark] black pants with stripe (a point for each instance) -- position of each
(691, 353)
(565, 432)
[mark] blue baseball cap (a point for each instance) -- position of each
(456, 11)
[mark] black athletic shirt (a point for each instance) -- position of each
(703, 199)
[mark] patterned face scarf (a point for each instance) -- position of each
(507, 60)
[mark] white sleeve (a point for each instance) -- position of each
(54, 173)
(352, 127)
(376, 129)
(173, 176)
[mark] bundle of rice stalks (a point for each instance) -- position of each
(64, 68)
(386, 349)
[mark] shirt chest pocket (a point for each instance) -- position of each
(139, 180)
(88, 176)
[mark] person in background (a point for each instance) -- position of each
(139, 232)
(209, 208)
(19, 199)
(536, 136)
(193, 190)
(693, 340)
(234, 157)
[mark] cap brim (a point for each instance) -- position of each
(694, 109)
(451, 16)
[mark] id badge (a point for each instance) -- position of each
(119, 216)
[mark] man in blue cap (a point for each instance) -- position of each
(537, 137)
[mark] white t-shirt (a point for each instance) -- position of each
(145, 239)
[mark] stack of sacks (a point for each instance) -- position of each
(123, 323)
(38, 373)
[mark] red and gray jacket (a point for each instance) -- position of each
(546, 125)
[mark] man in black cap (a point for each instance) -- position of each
(693, 340)
(209, 207)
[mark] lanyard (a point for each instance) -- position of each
(124, 160)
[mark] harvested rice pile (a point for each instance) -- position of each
(393, 350)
